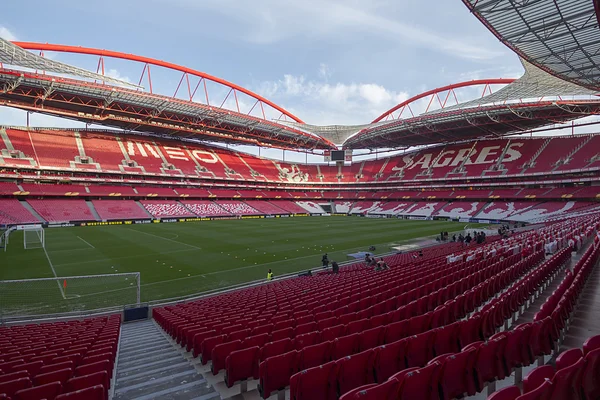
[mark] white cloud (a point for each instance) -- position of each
(114, 73)
(279, 20)
(7, 34)
(321, 102)
(324, 71)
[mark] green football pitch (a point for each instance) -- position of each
(180, 259)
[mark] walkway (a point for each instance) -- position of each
(150, 367)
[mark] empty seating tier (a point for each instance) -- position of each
(63, 359)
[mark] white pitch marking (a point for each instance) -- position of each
(86, 242)
(164, 238)
(54, 272)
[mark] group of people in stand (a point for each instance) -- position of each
(478, 237)
(377, 265)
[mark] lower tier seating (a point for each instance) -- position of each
(119, 209)
(13, 212)
(62, 360)
(237, 207)
(54, 210)
(206, 208)
(166, 208)
(362, 327)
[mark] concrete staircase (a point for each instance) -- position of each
(150, 367)
(93, 210)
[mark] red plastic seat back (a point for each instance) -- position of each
(314, 383)
(536, 377)
(354, 371)
(275, 372)
(47, 391)
(11, 387)
(61, 376)
(84, 381)
(91, 393)
(241, 365)
(315, 355)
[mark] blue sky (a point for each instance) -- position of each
(327, 61)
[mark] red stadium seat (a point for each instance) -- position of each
(219, 354)
(457, 377)
(47, 391)
(354, 371)
(315, 383)
(389, 359)
(13, 375)
(536, 377)
(388, 390)
(507, 393)
(241, 365)
(275, 372)
(85, 381)
(542, 392)
(61, 376)
(276, 348)
(371, 338)
(421, 384)
(333, 332)
(312, 356)
(566, 381)
(344, 346)
(589, 376)
(306, 339)
(91, 393)
(11, 387)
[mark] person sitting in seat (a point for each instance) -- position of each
(335, 268)
(269, 275)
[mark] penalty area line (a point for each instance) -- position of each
(86, 242)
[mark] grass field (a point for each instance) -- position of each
(184, 258)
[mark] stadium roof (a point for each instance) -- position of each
(535, 100)
(97, 102)
(562, 37)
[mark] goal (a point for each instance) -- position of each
(34, 237)
(45, 296)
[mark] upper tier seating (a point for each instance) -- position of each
(43, 361)
(166, 208)
(206, 208)
(123, 153)
(13, 212)
(119, 209)
(55, 210)
(237, 207)
(364, 327)
(55, 149)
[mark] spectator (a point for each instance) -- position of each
(325, 261)
(269, 275)
(454, 237)
(420, 254)
(335, 268)
(468, 238)
(383, 264)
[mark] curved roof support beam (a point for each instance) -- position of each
(152, 61)
(449, 88)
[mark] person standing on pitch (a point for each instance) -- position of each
(269, 275)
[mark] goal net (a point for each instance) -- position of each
(34, 237)
(32, 297)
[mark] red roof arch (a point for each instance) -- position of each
(152, 61)
(449, 90)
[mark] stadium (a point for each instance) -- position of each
(152, 247)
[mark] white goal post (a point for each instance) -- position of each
(34, 237)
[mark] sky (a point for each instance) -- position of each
(325, 61)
